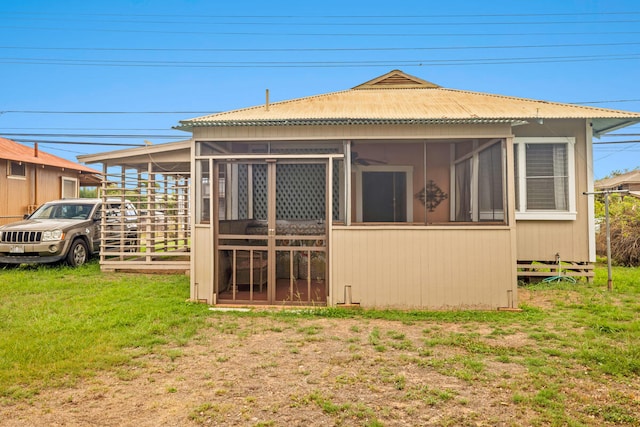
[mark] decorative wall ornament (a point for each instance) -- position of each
(431, 195)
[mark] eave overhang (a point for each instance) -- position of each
(188, 126)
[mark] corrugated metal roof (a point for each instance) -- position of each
(397, 97)
(16, 152)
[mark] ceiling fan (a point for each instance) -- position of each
(361, 161)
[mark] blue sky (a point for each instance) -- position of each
(120, 72)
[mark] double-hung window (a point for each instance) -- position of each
(545, 178)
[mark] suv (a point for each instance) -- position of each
(67, 230)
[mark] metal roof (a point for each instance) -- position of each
(632, 177)
(16, 152)
(399, 98)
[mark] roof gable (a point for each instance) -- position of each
(396, 79)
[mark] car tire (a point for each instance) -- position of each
(78, 253)
(8, 266)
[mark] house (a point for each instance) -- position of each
(395, 193)
(629, 181)
(31, 177)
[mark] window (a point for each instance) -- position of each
(478, 191)
(385, 194)
(545, 178)
(17, 169)
(69, 188)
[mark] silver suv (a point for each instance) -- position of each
(66, 231)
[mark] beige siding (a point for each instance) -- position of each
(436, 268)
(202, 264)
(17, 195)
(542, 240)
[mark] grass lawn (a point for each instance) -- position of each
(571, 357)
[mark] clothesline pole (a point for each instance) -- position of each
(606, 194)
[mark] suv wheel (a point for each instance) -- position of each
(78, 253)
(8, 266)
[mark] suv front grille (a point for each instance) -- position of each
(21, 236)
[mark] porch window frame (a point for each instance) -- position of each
(474, 192)
(522, 213)
(407, 170)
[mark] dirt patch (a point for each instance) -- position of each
(299, 372)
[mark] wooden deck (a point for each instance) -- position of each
(531, 270)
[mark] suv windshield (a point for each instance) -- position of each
(63, 211)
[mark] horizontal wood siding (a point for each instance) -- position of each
(542, 240)
(424, 268)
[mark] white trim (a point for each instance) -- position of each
(591, 216)
(10, 173)
(568, 215)
(64, 179)
(547, 215)
(407, 170)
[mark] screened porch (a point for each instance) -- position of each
(270, 208)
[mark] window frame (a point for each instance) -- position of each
(76, 191)
(522, 213)
(11, 173)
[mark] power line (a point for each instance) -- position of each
(87, 135)
(333, 49)
(606, 102)
(115, 144)
(298, 34)
(319, 64)
(104, 112)
(631, 141)
(340, 24)
(484, 15)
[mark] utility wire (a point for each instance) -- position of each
(468, 15)
(105, 112)
(338, 24)
(115, 144)
(310, 34)
(320, 64)
(86, 135)
(320, 49)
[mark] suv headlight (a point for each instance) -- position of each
(49, 236)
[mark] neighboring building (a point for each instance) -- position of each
(396, 193)
(629, 181)
(31, 177)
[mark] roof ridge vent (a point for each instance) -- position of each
(396, 79)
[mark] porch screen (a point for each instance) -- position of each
(479, 185)
(490, 201)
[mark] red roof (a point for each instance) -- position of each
(13, 151)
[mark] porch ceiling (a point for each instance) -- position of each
(168, 157)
